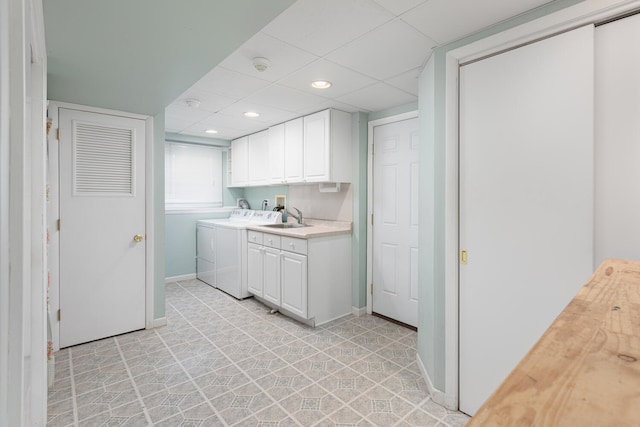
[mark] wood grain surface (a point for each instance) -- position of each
(585, 369)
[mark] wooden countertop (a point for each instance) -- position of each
(585, 369)
(317, 228)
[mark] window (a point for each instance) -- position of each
(193, 176)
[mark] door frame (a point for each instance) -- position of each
(371, 125)
(584, 13)
(54, 213)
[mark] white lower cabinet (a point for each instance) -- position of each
(271, 267)
(294, 283)
(306, 279)
(255, 269)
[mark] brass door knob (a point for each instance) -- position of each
(138, 238)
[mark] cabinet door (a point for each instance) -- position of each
(258, 151)
(294, 283)
(239, 162)
(317, 147)
(255, 269)
(276, 154)
(293, 150)
(271, 276)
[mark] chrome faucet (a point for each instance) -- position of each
(297, 217)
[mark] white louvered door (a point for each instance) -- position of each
(102, 209)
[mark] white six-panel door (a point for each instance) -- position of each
(526, 201)
(395, 224)
(102, 210)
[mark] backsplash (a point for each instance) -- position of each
(328, 206)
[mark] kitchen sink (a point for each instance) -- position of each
(286, 225)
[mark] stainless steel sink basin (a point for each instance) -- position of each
(286, 225)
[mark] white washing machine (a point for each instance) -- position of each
(222, 249)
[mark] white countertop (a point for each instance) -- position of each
(317, 228)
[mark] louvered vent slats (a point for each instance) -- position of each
(103, 159)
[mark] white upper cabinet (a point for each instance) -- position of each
(293, 149)
(239, 162)
(327, 147)
(285, 152)
(276, 154)
(314, 148)
(258, 153)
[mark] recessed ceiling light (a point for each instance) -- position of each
(251, 114)
(321, 84)
(212, 131)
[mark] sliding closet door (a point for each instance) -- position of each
(618, 140)
(526, 201)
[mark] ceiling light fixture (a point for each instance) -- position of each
(251, 114)
(321, 84)
(211, 131)
(260, 64)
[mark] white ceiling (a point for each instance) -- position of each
(371, 50)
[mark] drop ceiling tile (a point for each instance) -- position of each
(407, 81)
(332, 103)
(283, 58)
(229, 83)
(286, 98)
(182, 112)
(378, 97)
(398, 7)
(387, 51)
(343, 80)
(224, 132)
(438, 20)
(209, 101)
(268, 115)
(320, 26)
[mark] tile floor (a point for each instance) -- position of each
(223, 362)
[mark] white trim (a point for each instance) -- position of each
(584, 13)
(358, 311)
(5, 121)
(372, 124)
(159, 322)
(436, 395)
(171, 279)
(149, 224)
(54, 107)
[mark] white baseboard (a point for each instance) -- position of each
(178, 278)
(358, 311)
(439, 397)
(159, 322)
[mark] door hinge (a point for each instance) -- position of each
(58, 225)
(59, 315)
(371, 219)
(372, 289)
(58, 134)
(373, 149)
(463, 256)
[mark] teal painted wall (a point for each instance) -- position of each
(255, 195)
(359, 129)
(180, 250)
(376, 115)
(431, 306)
(158, 216)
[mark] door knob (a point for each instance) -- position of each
(138, 238)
